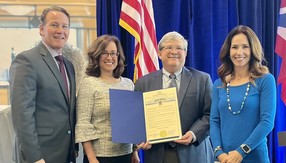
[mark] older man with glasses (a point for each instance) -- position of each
(194, 97)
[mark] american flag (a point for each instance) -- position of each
(138, 19)
(280, 48)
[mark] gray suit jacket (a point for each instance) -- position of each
(43, 115)
(194, 104)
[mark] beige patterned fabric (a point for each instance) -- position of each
(93, 116)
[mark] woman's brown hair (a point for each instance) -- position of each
(256, 69)
(95, 50)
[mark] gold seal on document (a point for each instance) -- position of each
(163, 133)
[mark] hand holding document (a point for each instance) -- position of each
(150, 116)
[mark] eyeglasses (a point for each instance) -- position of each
(171, 48)
(105, 54)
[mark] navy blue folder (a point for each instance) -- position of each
(127, 116)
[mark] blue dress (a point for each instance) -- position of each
(251, 126)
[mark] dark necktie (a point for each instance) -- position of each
(60, 60)
(173, 84)
(173, 81)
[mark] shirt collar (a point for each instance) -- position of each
(52, 51)
(166, 74)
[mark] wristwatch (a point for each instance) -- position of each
(217, 149)
(246, 149)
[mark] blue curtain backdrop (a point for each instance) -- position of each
(205, 24)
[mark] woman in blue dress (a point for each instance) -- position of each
(243, 101)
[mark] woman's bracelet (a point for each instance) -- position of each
(217, 149)
(134, 147)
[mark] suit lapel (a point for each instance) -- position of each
(70, 74)
(185, 82)
(47, 57)
(157, 80)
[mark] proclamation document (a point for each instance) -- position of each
(138, 117)
(162, 118)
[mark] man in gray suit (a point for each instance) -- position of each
(194, 98)
(43, 95)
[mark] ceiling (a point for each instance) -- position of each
(82, 11)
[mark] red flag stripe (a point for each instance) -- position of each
(139, 71)
(130, 21)
(129, 6)
(148, 60)
(134, 8)
(138, 19)
(281, 50)
(283, 91)
(282, 73)
(132, 3)
(149, 22)
(283, 3)
(149, 41)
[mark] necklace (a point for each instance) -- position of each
(243, 101)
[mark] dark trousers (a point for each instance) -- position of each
(117, 159)
(170, 154)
